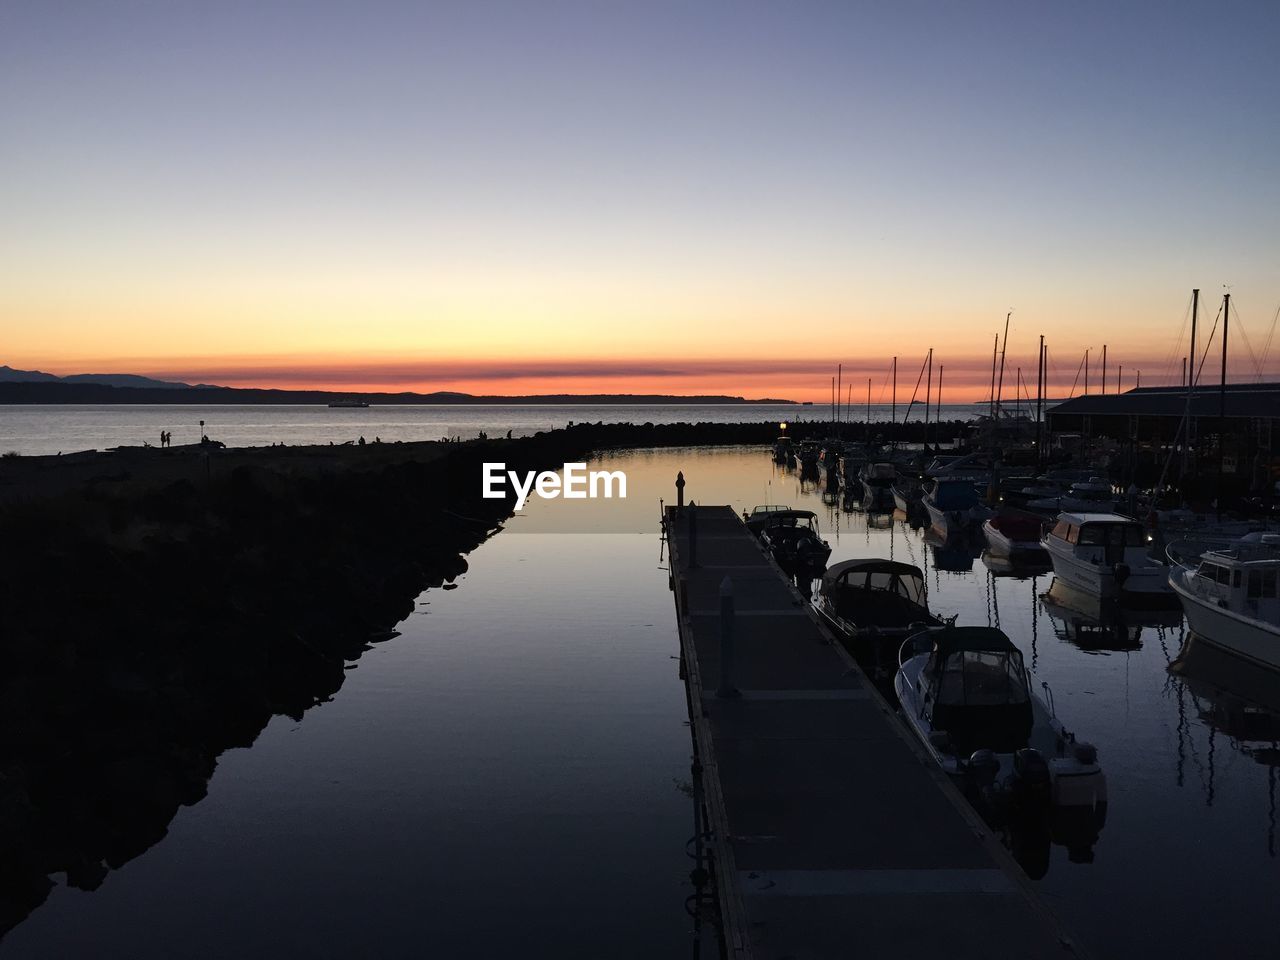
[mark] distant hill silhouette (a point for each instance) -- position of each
(10, 375)
(38, 389)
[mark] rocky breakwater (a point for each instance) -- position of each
(164, 606)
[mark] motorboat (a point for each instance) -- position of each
(1015, 535)
(783, 450)
(966, 694)
(1230, 598)
(872, 604)
(760, 515)
(953, 504)
(877, 483)
(906, 494)
(1094, 496)
(808, 455)
(1106, 555)
(794, 541)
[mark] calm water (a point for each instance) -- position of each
(503, 777)
(49, 429)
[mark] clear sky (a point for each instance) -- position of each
(658, 197)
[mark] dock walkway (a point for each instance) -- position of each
(831, 832)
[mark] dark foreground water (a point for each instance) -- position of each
(503, 779)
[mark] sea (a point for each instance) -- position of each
(31, 429)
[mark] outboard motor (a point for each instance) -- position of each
(1031, 786)
(981, 771)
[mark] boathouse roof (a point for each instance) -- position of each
(1243, 401)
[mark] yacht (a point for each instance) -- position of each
(1230, 598)
(783, 451)
(1106, 555)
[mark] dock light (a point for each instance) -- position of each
(782, 426)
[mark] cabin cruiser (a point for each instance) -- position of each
(953, 503)
(1015, 535)
(1105, 554)
(792, 537)
(872, 604)
(1093, 495)
(965, 693)
(760, 515)
(1230, 599)
(877, 483)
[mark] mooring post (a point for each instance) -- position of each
(726, 690)
(680, 494)
(693, 535)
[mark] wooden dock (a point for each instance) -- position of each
(829, 831)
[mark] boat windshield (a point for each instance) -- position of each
(1113, 535)
(982, 678)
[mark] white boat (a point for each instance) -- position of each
(1106, 555)
(965, 693)
(1230, 598)
(1014, 535)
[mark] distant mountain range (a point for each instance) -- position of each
(33, 386)
(10, 375)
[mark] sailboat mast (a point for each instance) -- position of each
(893, 403)
(1039, 400)
(1104, 369)
(1003, 348)
(928, 396)
(937, 417)
(839, 385)
(1190, 376)
(991, 403)
(1222, 399)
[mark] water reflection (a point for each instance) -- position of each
(1100, 626)
(1238, 699)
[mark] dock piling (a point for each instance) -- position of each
(726, 690)
(680, 493)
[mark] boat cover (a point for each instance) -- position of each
(876, 574)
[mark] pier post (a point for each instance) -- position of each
(680, 494)
(693, 535)
(726, 690)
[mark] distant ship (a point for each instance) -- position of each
(348, 404)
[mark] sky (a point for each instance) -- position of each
(688, 197)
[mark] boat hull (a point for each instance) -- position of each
(1224, 628)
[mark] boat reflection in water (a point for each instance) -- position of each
(1239, 699)
(1096, 625)
(952, 554)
